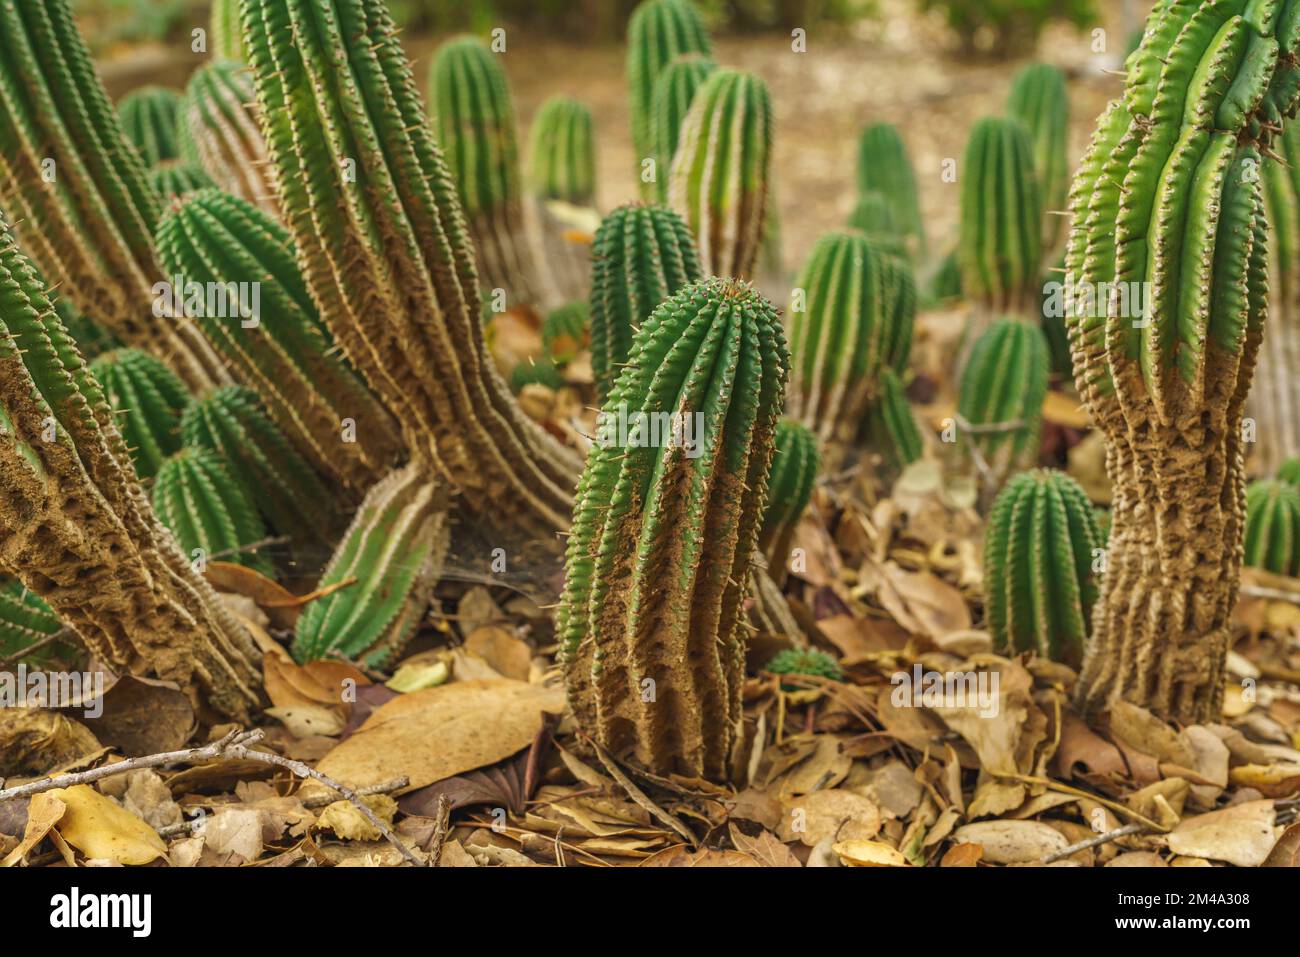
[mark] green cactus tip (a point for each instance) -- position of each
(804, 661)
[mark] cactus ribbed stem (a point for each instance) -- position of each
(148, 118)
(175, 180)
(891, 425)
(226, 33)
(719, 177)
(1273, 527)
(387, 258)
(562, 174)
(885, 170)
(664, 532)
(288, 356)
(75, 525)
(1003, 385)
(789, 489)
(208, 510)
(25, 620)
(1039, 100)
(674, 92)
(565, 331)
(148, 400)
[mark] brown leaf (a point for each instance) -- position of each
(926, 603)
(764, 848)
(963, 855)
(1241, 834)
(44, 810)
(507, 654)
(281, 606)
(682, 856)
(143, 716)
(834, 814)
(1286, 852)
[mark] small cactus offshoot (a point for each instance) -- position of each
(1039, 101)
(148, 118)
(789, 489)
(891, 424)
(1273, 527)
(148, 400)
(1001, 395)
(565, 331)
(803, 661)
(885, 170)
(208, 510)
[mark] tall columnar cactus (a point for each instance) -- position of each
(562, 186)
(885, 169)
(1039, 555)
(394, 551)
(226, 35)
(148, 400)
(674, 92)
(75, 525)
(851, 317)
(148, 118)
(387, 258)
(285, 352)
(891, 428)
(1169, 194)
(719, 177)
(475, 125)
(285, 488)
(565, 331)
(208, 510)
(652, 680)
(219, 131)
(789, 489)
(1273, 527)
(873, 217)
(1003, 385)
(1040, 101)
(642, 255)
(1001, 245)
(658, 32)
(85, 207)
(174, 180)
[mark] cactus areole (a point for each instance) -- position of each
(1168, 204)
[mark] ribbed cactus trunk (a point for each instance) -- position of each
(562, 187)
(1169, 193)
(388, 261)
(79, 193)
(76, 527)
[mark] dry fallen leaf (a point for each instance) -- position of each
(348, 823)
(1241, 834)
(868, 854)
(1012, 842)
(100, 828)
(835, 814)
(43, 812)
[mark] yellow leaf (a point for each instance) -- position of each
(103, 830)
(415, 675)
(868, 854)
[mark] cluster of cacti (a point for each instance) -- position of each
(886, 179)
(720, 172)
(149, 119)
(566, 331)
(1272, 534)
(1039, 100)
(174, 180)
(284, 351)
(383, 574)
(658, 32)
(891, 428)
(1000, 251)
(851, 316)
(148, 400)
(1040, 555)
(475, 125)
(26, 620)
(209, 511)
(562, 183)
(1000, 396)
(674, 91)
(789, 489)
(642, 255)
(660, 681)
(1169, 195)
(219, 131)
(808, 662)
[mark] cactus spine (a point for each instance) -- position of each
(562, 174)
(658, 32)
(208, 510)
(75, 526)
(649, 519)
(394, 549)
(1003, 385)
(1039, 100)
(1169, 194)
(1039, 586)
(475, 126)
(148, 118)
(719, 177)
(1001, 246)
(286, 354)
(885, 170)
(148, 399)
(387, 259)
(641, 255)
(1273, 527)
(174, 180)
(850, 317)
(90, 230)
(891, 425)
(287, 491)
(790, 487)
(674, 92)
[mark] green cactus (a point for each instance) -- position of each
(386, 256)
(394, 551)
(803, 661)
(674, 92)
(944, 284)
(851, 316)
(642, 255)
(79, 192)
(1273, 527)
(219, 132)
(1039, 586)
(891, 425)
(286, 489)
(719, 177)
(174, 180)
(658, 32)
(475, 125)
(885, 169)
(148, 400)
(1001, 246)
(148, 117)
(91, 338)
(1289, 472)
(789, 489)
(873, 216)
(1003, 385)
(680, 517)
(287, 354)
(211, 514)
(26, 620)
(565, 331)
(75, 525)
(562, 153)
(539, 371)
(1169, 193)
(227, 34)
(1039, 100)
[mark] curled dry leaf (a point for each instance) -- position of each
(835, 814)
(856, 853)
(1012, 842)
(100, 828)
